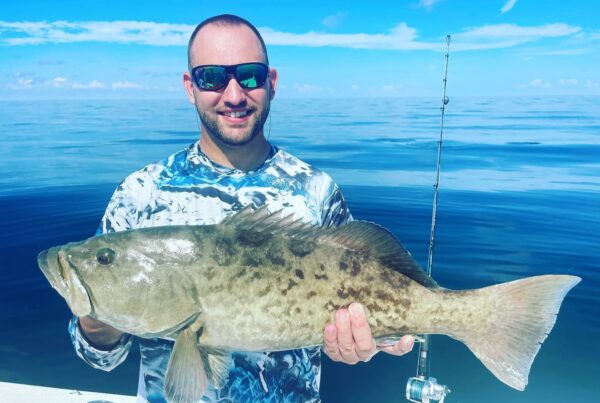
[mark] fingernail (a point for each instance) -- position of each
(356, 309)
(411, 344)
(330, 330)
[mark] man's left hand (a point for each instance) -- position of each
(349, 340)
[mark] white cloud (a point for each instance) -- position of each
(568, 81)
(140, 32)
(539, 83)
(390, 88)
(59, 82)
(94, 84)
(400, 37)
(306, 89)
(332, 21)
(427, 4)
(591, 84)
(563, 52)
(120, 85)
(508, 6)
(63, 82)
(21, 84)
(508, 35)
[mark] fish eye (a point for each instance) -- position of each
(105, 256)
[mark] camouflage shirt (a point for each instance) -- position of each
(187, 188)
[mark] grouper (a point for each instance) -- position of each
(268, 282)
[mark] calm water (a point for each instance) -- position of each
(520, 195)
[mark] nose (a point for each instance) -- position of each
(233, 94)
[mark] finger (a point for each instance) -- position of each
(405, 345)
(344, 336)
(361, 332)
(330, 344)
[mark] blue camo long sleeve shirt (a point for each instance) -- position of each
(187, 188)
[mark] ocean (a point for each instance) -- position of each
(519, 196)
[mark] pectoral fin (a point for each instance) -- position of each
(186, 378)
(191, 368)
(216, 364)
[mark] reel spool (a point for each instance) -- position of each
(424, 390)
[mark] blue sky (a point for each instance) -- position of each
(137, 49)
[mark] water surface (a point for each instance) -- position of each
(520, 195)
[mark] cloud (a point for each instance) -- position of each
(508, 35)
(59, 82)
(120, 85)
(305, 89)
(22, 84)
(591, 84)
(508, 6)
(139, 32)
(94, 84)
(332, 21)
(568, 81)
(399, 37)
(562, 52)
(563, 82)
(391, 88)
(427, 4)
(62, 82)
(539, 83)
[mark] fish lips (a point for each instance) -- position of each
(57, 268)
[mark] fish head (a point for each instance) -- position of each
(86, 274)
(120, 278)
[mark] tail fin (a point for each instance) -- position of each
(527, 313)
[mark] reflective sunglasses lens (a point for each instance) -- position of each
(251, 75)
(210, 77)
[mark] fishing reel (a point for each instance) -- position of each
(424, 390)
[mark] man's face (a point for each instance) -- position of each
(233, 116)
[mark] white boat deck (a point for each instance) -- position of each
(19, 393)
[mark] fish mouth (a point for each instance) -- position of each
(61, 274)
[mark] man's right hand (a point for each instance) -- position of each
(99, 334)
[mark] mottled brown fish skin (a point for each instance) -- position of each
(277, 293)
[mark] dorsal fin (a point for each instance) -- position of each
(364, 237)
(378, 243)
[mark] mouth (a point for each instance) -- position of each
(236, 116)
(48, 261)
(57, 268)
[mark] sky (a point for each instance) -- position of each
(385, 48)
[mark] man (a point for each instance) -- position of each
(233, 165)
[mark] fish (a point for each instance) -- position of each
(262, 281)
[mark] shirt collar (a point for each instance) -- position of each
(195, 156)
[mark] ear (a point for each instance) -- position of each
(273, 76)
(188, 85)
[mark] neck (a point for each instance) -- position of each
(244, 157)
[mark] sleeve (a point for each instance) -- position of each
(334, 210)
(126, 205)
(99, 359)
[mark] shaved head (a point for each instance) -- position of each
(224, 20)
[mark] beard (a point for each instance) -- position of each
(227, 136)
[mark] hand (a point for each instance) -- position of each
(349, 340)
(99, 334)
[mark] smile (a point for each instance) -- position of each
(236, 114)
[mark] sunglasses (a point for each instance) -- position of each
(212, 77)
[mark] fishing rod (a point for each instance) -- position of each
(423, 388)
